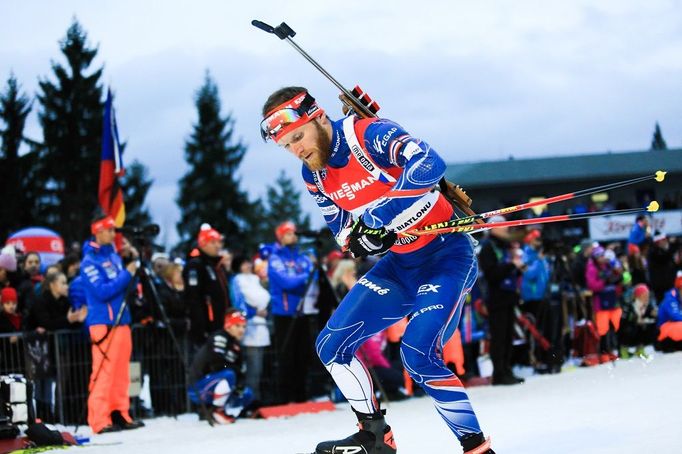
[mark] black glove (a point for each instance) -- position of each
(364, 241)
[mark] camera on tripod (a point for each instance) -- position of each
(137, 232)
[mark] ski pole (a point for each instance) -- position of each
(284, 32)
(443, 227)
(659, 176)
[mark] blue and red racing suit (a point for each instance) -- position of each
(378, 171)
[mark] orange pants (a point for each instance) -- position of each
(603, 318)
(671, 330)
(110, 390)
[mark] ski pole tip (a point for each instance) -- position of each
(660, 175)
(652, 207)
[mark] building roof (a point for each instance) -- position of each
(564, 168)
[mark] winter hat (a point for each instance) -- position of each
(234, 317)
(640, 290)
(678, 280)
(335, 254)
(8, 294)
(532, 236)
(8, 261)
(659, 236)
(598, 251)
(283, 228)
(206, 234)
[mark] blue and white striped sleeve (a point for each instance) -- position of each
(391, 146)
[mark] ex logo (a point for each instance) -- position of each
(426, 288)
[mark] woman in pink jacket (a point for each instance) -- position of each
(603, 277)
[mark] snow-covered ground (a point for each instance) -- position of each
(634, 406)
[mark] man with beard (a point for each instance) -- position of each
(374, 183)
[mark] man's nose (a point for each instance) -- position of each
(298, 150)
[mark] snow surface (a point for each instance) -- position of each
(633, 406)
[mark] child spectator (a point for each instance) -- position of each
(10, 319)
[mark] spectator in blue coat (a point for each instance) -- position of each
(670, 319)
(289, 275)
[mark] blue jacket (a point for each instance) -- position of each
(288, 272)
(536, 277)
(105, 282)
(669, 310)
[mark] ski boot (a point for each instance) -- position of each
(374, 437)
(476, 444)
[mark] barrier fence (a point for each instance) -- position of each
(59, 363)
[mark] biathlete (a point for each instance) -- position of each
(374, 183)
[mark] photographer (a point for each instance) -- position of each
(105, 281)
(206, 286)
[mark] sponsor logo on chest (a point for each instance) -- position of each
(348, 190)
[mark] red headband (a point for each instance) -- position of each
(102, 224)
(283, 228)
(289, 115)
(234, 318)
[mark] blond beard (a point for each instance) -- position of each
(322, 150)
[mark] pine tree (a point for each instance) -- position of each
(136, 184)
(71, 117)
(210, 191)
(284, 204)
(16, 182)
(658, 142)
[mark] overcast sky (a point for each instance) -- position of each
(477, 80)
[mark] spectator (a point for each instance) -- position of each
(247, 288)
(29, 277)
(105, 281)
(332, 260)
(217, 374)
(344, 277)
(206, 291)
(170, 290)
(501, 269)
(639, 234)
(579, 267)
(638, 324)
(159, 261)
(534, 290)
(8, 264)
(602, 278)
(670, 319)
(50, 312)
(637, 265)
(10, 318)
(289, 273)
(662, 267)
(71, 265)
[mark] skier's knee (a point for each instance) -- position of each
(329, 349)
(415, 362)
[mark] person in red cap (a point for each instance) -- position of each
(206, 286)
(289, 276)
(218, 371)
(105, 281)
(10, 319)
(638, 322)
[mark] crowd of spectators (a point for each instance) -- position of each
(539, 305)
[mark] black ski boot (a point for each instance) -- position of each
(374, 437)
(476, 444)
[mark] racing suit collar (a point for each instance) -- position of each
(339, 147)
